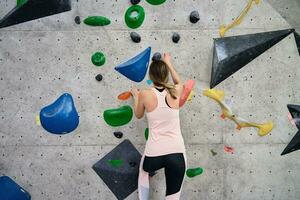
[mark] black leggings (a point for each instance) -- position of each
(174, 165)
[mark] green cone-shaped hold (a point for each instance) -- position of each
(97, 21)
(119, 116)
(98, 59)
(146, 133)
(115, 163)
(21, 2)
(156, 2)
(194, 172)
(134, 16)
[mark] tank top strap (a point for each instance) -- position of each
(161, 96)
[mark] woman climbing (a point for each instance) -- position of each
(165, 146)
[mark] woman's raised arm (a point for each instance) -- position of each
(174, 74)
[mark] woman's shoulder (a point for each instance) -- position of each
(146, 95)
(149, 89)
(146, 91)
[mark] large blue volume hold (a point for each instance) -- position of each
(9, 190)
(135, 69)
(61, 116)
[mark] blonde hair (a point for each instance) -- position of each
(159, 74)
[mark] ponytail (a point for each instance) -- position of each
(158, 73)
(171, 88)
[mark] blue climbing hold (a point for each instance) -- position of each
(11, 190)
(135, 69)
(149, 82)
(61, 116)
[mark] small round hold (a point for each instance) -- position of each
(99, 77)
(98, 59)
(156, 56)
(118, 134)
(135, 37)
(132, 164)
(134, 2)
(77, 20)
(194, 17)
(176, 37)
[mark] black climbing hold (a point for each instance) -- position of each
(77, 20)
(294, 144)
(118, 134)
(176, 37)
(34, 9)
(194, 17)
(99, 77)
(134, 2)
(156, 56)
(295, 112)
(121, 181)
(297, 37)
(132, 164)
(232, 53)
(135, 37)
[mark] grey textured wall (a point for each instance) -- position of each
(40, 60)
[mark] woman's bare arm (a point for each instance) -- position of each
(174, 74)
(138, 105)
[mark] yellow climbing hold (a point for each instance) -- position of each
(218, 96)
(37, 120)
(190, 96)
(223, 29)
(263, 129)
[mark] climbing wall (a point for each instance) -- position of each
(288, 10)
(41, 59)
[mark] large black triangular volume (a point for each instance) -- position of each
(295, 112)
(297, 37)
(294, 144)
(233, 53)
(121, 180)
(34, 9)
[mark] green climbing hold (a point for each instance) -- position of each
(21, 2)
(146, 133)
(194, 172)
(119, 116)
(213, 152)
(134, 16)
(156, 2)
(97, 21)
(115, 163)
(98, 59)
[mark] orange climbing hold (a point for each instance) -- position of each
(228, 149)
(124, 96)
(188, 87)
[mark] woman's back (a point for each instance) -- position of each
(163, 123)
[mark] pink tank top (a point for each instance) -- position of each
(164, 129)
